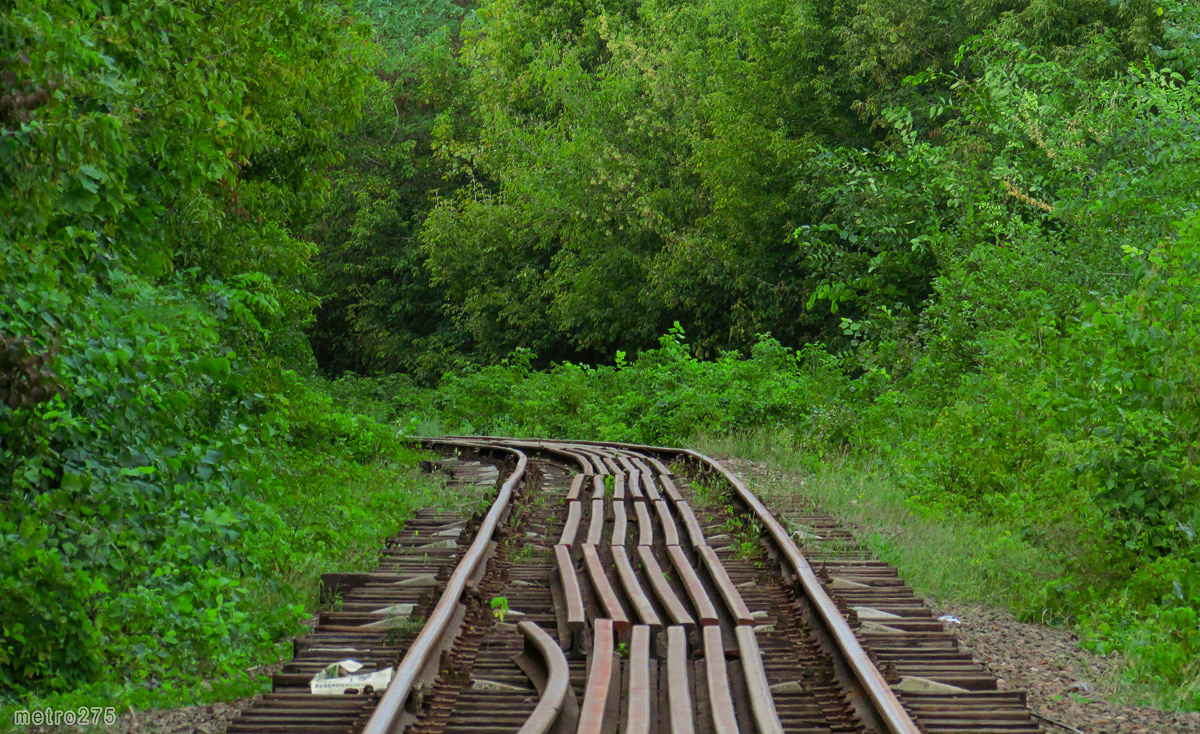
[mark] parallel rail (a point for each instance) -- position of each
(887, 706)
(636, 613)
(888, 709)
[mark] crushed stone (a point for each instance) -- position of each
(1068, 688)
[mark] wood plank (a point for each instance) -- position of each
(662, 589)
(680, 719)
(571, 528)
(762, 703)
(634, 487)
(596, 527)
(599, 680)
(733, 599)
(694, 531)
(637, 720)
(705, 610)
(576, 487)
(670, 532)
(720, 696)
(645, 524)
(620, 524)
(648, 487)
(570, 585)
(670, 489)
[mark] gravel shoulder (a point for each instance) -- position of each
(1064, 682)
(1071, 688)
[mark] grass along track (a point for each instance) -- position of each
(614, 588)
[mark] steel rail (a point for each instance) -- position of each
(391, 704)
(887, 705)
(545, 714)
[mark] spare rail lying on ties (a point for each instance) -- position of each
(883, 699)
(428, 642)
(555, 688)
(887, 705)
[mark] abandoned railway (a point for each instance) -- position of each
(610, 589)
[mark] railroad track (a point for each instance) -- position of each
(619, 589)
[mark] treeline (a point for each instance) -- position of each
(573, 178)
(980, 217)
(961, 238)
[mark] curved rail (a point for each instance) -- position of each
(881, 695)
(427, 641)
(545, 714)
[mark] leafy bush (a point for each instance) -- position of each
(150, 296)
(665, 395)
(168, 507)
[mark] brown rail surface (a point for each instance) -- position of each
(561, 617)
(433, 635)
(870, 680)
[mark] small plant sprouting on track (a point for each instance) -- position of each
(499, 607)
(746, 531)
(708, 494)
(525, 552)
(400, 627)
(623, 649)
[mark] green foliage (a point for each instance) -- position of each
(499, 607)
(971, 228)
(664, 396)
(629, 170)
(379, 310)
(151, 287)
(145, 526)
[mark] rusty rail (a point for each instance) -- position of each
(883, 699)
(557, 679)
(391, 705)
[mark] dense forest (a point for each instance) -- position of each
(246, 248)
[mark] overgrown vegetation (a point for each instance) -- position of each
(170, 483)
(1023, 521)
(955, 244)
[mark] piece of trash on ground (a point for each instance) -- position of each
(339, 678)
(949, 618)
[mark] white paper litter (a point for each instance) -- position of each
(949, 618)
(337, 678)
